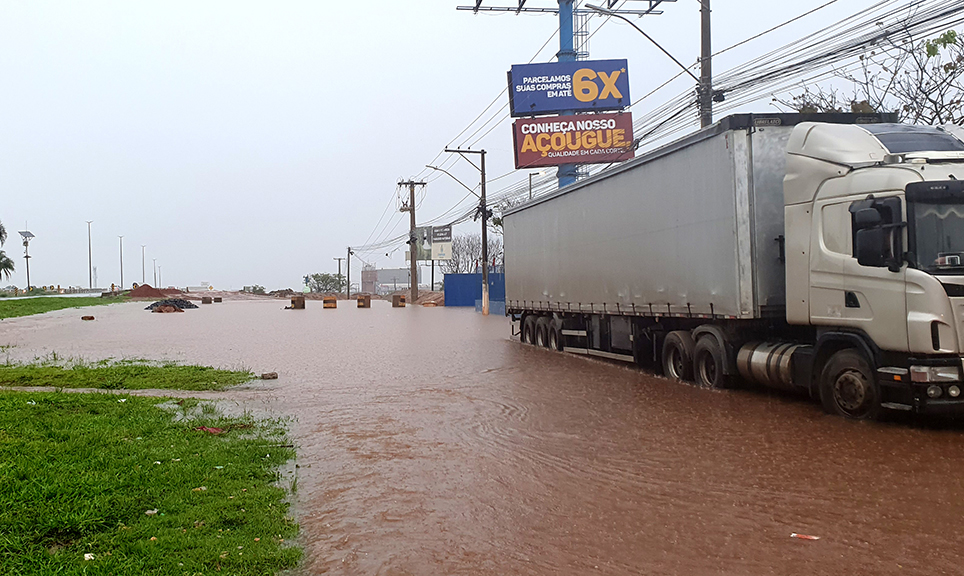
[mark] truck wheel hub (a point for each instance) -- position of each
(850, 391)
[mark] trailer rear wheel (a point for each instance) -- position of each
(529, 330)
(555, 337)
(542, 332)
(848, 387)
(678, 355)
(708, 363)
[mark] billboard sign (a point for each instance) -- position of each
(441, 243)
(432, 243)
(554, 87)
(583, 139)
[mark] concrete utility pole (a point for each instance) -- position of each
(339, 270)
(706, 66)
(411, 236)
(348, 274)
(154, 260)
(483, 212)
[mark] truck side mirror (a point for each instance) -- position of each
(866, 218)
(871, 246)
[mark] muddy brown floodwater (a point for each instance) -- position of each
(430, 443)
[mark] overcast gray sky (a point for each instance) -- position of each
(252, 142)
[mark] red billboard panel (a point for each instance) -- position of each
(583, 139)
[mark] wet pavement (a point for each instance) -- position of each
(430, 443)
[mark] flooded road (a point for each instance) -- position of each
(430, 443)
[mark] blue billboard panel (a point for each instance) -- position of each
(555, 87)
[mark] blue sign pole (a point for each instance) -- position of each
(567, 53)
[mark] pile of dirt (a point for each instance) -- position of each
(175, 302)
(146, 291)
(437, 298)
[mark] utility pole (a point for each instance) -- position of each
(706, 66)
(483, 212)
(143, 278)
(90, 265)
(154, 260)
(339, 271)
(410, 208)
(348, 274)
(121, 261)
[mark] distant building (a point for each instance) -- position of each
(390, 280)
(369, 278)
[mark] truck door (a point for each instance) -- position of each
(875, 300)
(848, 294)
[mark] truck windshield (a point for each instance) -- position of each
(938, 235)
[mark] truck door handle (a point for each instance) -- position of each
(850, 300)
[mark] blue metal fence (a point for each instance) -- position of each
(465, 289)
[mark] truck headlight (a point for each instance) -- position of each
(935, 374)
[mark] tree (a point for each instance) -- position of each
(921, 80)
(6, 264)
(467, 254)
(325, 282)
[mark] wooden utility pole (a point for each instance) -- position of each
(410, 208)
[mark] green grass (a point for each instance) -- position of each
(79, 471)
(31, 306)
(125, 374)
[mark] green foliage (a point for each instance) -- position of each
(6, 264)
(947, 39)
(257, 289)
(125, 374)
(79, 471)
(325, 282)
(30, 306)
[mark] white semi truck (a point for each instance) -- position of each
(814, 252)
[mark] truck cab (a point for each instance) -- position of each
(874, 220)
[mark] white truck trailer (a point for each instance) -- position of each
(814, 252)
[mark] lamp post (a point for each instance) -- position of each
(90, 266)
(706, 82)
(484, 213)
(27, 237)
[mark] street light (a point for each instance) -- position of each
(90, 266)
(27, 237)
(531, 174)
(484, 213)
(706, 83)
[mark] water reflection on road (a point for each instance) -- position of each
(429, 443)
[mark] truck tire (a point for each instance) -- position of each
(678, 356)
(708, 363)
(529, 330)
(848, 387)
(555, 337)
(542, 332)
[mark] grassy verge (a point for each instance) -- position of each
(125, 374)
(83, 474)
(30, 306)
